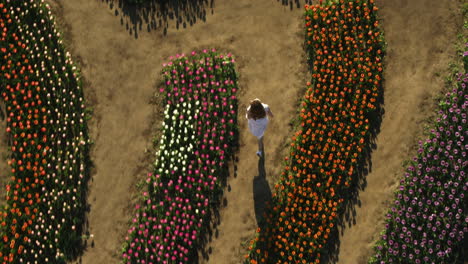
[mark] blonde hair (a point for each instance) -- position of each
(256, 111)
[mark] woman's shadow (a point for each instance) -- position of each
(261, 191)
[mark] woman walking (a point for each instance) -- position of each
(257, 116)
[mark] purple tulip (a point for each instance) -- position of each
(435, 202)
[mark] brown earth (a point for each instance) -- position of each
(120, 55)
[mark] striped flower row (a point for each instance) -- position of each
(39, 84)
(198, 136)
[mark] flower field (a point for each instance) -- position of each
(345, 48)
(199, 134)
(189, 210)
(427, 223)
(40, 86)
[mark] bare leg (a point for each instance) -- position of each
(260, 147)
(260, 144)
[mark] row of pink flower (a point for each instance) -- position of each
(199, 135)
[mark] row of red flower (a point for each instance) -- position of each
(345, 48)
(43, 218)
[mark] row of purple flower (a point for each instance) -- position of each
(427, 222)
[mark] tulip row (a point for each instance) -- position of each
(44, 215)
(427, 222)
(198, 136)
(345, 49)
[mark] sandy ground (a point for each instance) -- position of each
(120, 55)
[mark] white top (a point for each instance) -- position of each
(257, 127)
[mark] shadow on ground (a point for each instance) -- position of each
(158, 14)
(203, 252)
(218, 200)
(295, 3)
(261, 192)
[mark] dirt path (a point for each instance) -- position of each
(420, 36)
(121, 73)
(274, 71)
(121, 57)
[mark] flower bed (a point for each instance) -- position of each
(198, 136)
(43, 219)
(427, 222)
(345, 50)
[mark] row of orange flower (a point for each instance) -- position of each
(345, 49)
(45, 197)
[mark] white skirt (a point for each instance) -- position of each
(258, 127)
